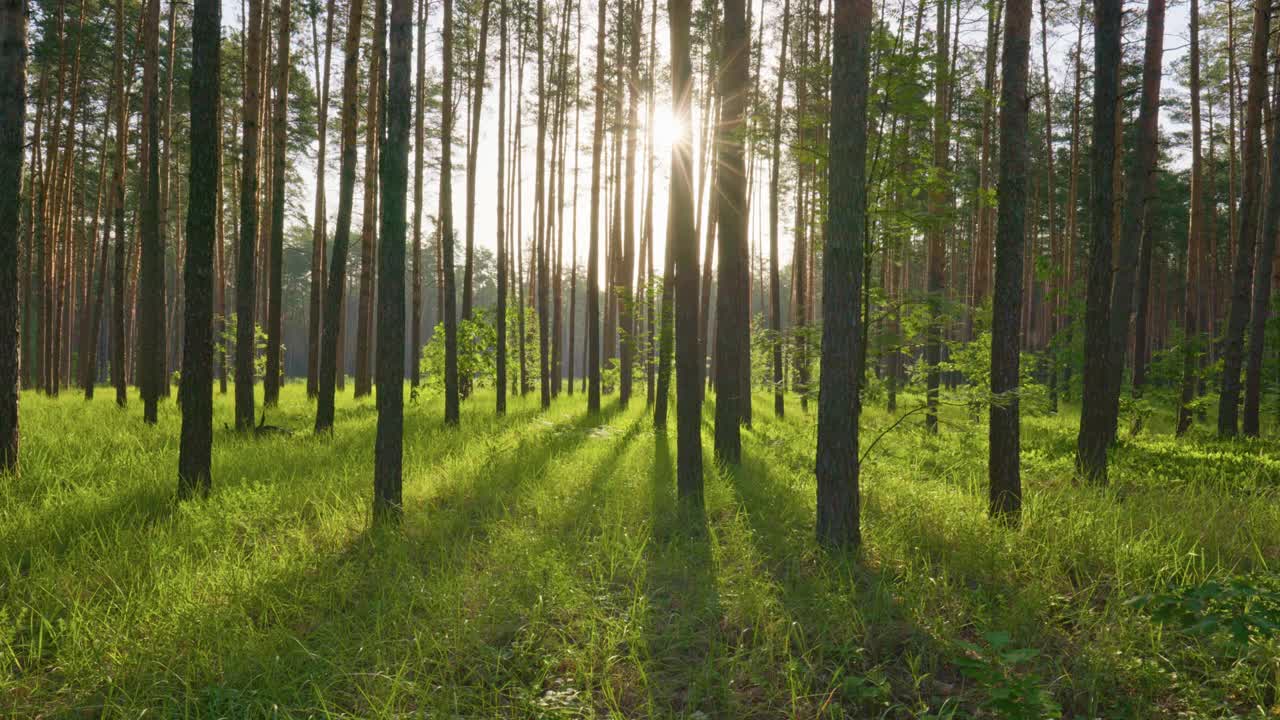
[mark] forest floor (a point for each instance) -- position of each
(543, 570)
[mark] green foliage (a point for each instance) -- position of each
(1247, 608)
(972, 360)
(227, 343)
(477, 354)
(998, 668)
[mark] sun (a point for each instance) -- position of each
(666, 130)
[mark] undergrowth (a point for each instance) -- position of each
(544, 569)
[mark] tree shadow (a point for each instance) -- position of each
(350, 624)
(683, 642)
(848, 630)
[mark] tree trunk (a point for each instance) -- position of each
(836, 466)
(245, 341)
(319, 226)
(1140, 190)
(196, 444)
(331, 361)
(389, 444)
(1004, 464)
(275, 289)
(1195, 237)
(593, 247)
(1242, 269)
(451, 414)
(151, 274)
(419, 170)
(500, 386)
(1091, 452)
(369, 224)
(731, 191)
(13, 108)
(775, 193)
(1262, 283)
(939, 204)
(473, 144)
(684, 249)
(627, 260)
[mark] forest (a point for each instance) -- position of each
(695, 359)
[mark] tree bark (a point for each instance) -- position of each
(389, 444)
(500, 386)
(151, 359)
(330, 340)
(1242, 269)
(683, 241)
(939, 204)
(369, 221)
(275, 289)
(419, 170)
(836, 466)
(775, 193)
(451, 409)
(1251, 425)
(13, 108)
(731, 192)
(196, 443)
(248, 224)
(593, 246)
(473, 144)
(319, 226)
(1092, 442)
(1139, 192)
(1004, 461)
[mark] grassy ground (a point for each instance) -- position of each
(543, 570)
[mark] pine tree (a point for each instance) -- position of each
(196, 444)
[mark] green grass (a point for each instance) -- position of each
(544, 570)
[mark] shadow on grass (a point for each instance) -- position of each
(348, 626)
(683, 640)
(850, 643)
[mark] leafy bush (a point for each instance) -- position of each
(1010, 693)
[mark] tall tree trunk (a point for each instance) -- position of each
(196, 443)
(775, 192)
(419, 170)
(1004, 461)
(1262, 282)
(627, 261)
(319, 226)
(836, 466)
(593, 247)
(1140, 190)
(451, 414)
(500, 386)
(275, 288)
(1091, 452)
(245, 265)
(118, 337)
(1242, 269)
(13, 108)
(731, 191)
(939, 204)
(331, 361)
(684, 247)
(473, 145)
(539, 232)
(389, 445)
(151, 274)
(1195, 237)
(369, 223)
